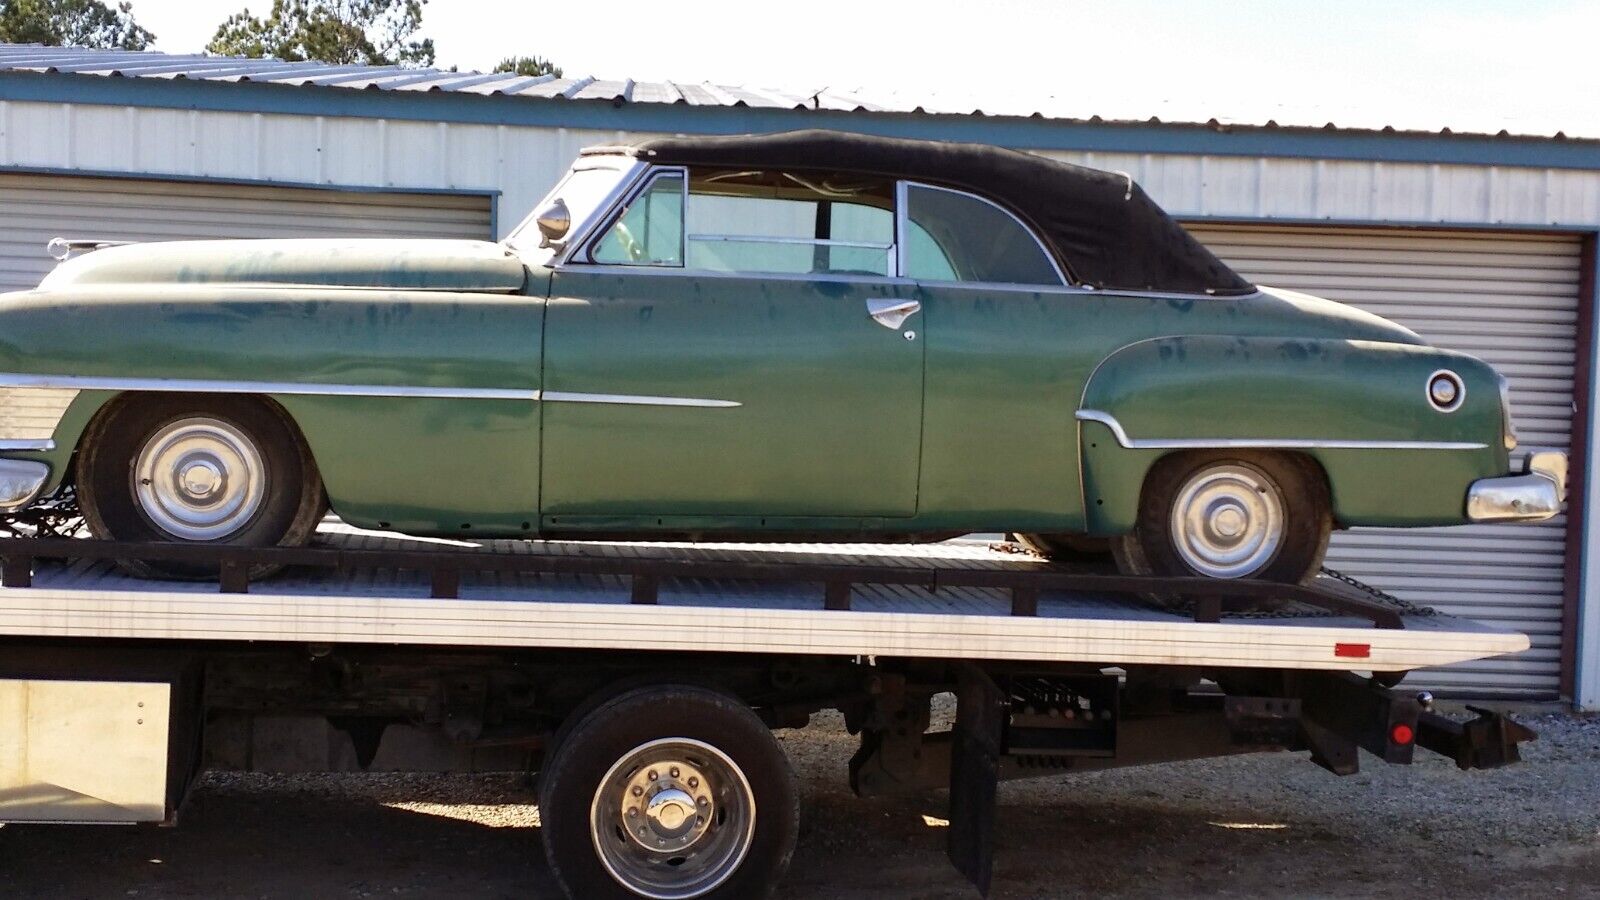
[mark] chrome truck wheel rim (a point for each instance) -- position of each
(673, 819)
(1228, 521)
(199, 479)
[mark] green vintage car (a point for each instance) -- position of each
(811, 334)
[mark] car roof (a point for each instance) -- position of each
(1101, 226)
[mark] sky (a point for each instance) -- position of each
(1526, 66)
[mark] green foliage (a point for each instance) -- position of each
(367, 32)
(528, 65)
(72, 23)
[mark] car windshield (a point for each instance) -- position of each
(584, 189)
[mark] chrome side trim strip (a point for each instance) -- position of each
(1110, 421)
(636, 400)
(204, 386)
(201, 386)
(27, 445)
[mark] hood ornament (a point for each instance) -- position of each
(60, 248)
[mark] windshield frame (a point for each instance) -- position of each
(525, 240)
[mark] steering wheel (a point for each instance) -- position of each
(630, 244)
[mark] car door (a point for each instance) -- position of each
(731, 352)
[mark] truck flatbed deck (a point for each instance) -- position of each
(562, 657)
(93, 599)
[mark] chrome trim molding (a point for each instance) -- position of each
(1533, 496)
(1455, 402)
(636, 400)
(201, 386)
(21, 480)
(1110, 421)
(205, 386)
(27, 445)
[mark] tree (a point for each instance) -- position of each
(528, 65)
(368, 32)
(72, 23)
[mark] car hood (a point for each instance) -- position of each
(417, 265)
(1331, 319)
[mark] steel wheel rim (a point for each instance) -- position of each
(678, 834)
(1228, 521)
(199, 479)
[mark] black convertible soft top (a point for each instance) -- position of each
(1104, 230)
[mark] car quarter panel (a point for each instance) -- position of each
(1007, 370)
(1359, 408)
(460, 452)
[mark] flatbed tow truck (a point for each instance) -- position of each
(641, 681)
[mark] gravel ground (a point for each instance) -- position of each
(1248, 826)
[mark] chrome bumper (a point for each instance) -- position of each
(21, 480)
(1533, 496)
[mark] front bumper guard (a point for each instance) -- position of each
(21, 480)
(1533, 496)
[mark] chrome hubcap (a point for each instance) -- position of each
(1228, 521)
(673, 819)
(199, 479)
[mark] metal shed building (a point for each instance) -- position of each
(1484, 243)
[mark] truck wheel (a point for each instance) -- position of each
(669, 792)
(180, 469)
(1230, 514)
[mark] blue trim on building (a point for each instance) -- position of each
(1030, 133)
(492, 193)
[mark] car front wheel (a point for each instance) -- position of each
(1230, 514)
(178, 469)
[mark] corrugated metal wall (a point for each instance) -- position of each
(40, 207)
(1511, 299)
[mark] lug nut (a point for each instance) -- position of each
(638, 791)
(673, 772)
(694, 782)
(633, 812)
(652, 775)
(703, 802)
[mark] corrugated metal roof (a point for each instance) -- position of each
(1005, 101)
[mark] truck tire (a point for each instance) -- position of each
(1230, 514)
(175, 468)
(669, 791)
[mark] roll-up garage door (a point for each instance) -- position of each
(1510, 299)
(36, 208)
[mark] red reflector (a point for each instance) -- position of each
(1402, 734)
(1352, 651)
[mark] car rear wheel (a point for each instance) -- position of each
(178, 469)
(1230, 514)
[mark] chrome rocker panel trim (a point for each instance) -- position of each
(1110, 421)
(1533, 496)
(202, 386)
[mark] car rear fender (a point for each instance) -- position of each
(1359, 408)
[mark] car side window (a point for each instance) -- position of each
(789, 223)
(649, 232)
(955, 236)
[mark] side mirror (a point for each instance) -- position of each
(554, 221)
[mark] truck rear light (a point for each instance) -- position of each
(1402, 734)
(1352, 651)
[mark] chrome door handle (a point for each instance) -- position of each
(892, 313)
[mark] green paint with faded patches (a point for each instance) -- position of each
(796, 410)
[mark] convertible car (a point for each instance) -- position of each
(811, 334)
